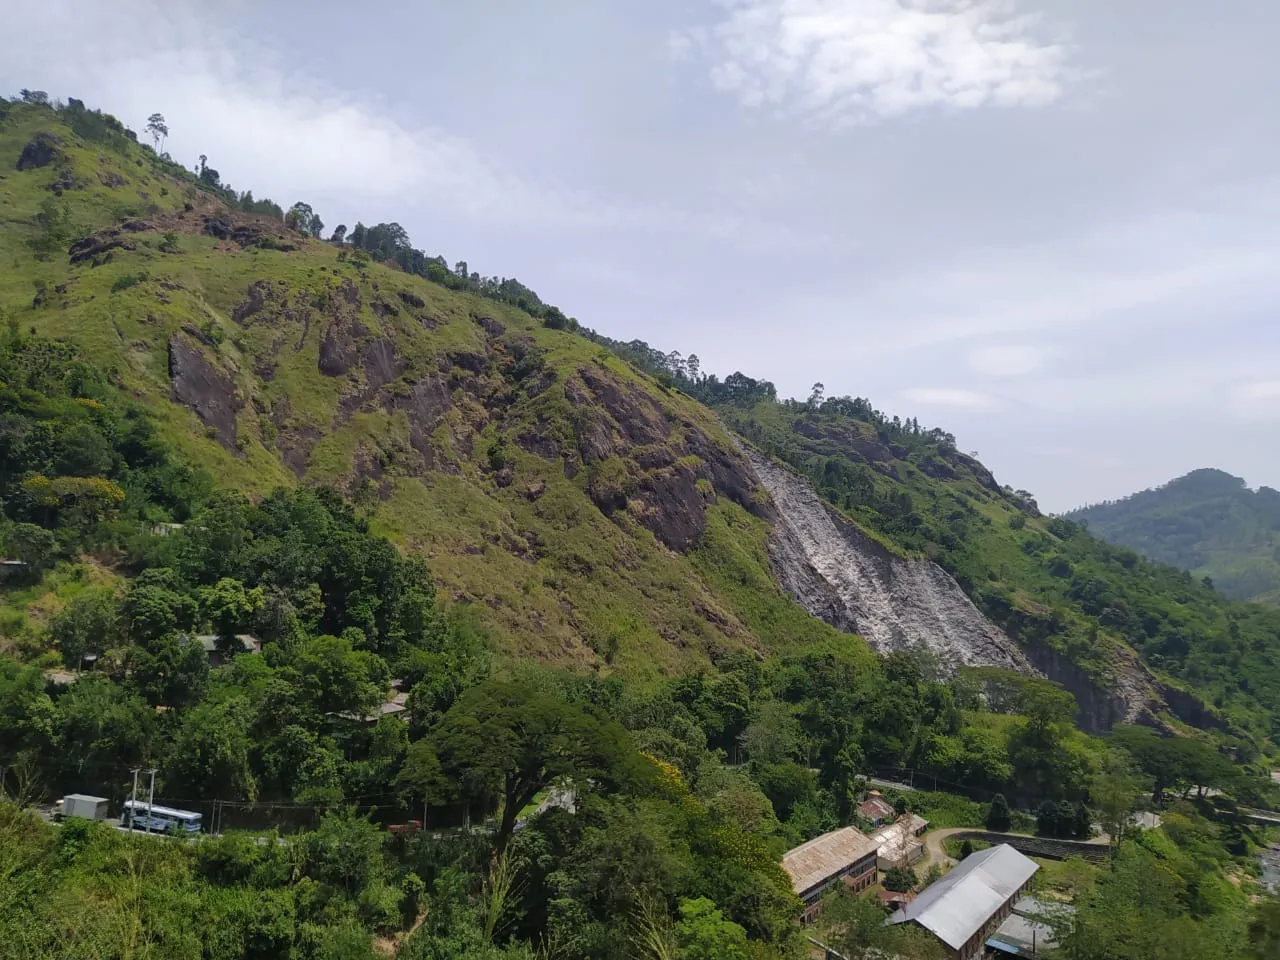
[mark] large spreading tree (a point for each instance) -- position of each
(503, 743)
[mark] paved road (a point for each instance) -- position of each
(891, 784)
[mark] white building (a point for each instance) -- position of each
(899, 842)
(971, 902)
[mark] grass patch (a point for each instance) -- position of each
(1065, 879)
(941, 809)
(954, 846)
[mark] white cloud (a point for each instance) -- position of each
(1259, 400)
(949, 397)
(289, 135)
(841, 61)
(262, 126)
(1144, 275)
(1006, 361)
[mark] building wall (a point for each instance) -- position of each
(858, 876)
(976, 946)
(912, 855)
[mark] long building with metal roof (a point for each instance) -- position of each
(847, 855)
(971, 901)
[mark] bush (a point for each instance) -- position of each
(125, 281)
(998, 816)
(380, 907)
(898, 880)
(1063, 819)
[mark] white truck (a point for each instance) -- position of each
(81, 805)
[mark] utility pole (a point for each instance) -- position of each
(151, 797)
(133, 800)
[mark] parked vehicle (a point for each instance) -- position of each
(158, 819)
(81, 805)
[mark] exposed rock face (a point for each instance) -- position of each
(334, 361)
(243, 232)
(40, 151)
(648, 464)
(1098, 709)
(206, 390)
(844, 577)
(98, 244)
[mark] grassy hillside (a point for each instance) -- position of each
(212, 424)
(1207, 522)
(573, 492)
(549, 484)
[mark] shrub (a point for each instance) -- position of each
(127, 280)
(998, 816)
(898, 880)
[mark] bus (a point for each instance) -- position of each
(158, 819)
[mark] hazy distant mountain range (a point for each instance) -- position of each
(1208, 522)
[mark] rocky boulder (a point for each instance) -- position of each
(200, 386)
(40, 151)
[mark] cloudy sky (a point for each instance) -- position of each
(1050, 226)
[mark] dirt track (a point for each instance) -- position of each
(934, 852)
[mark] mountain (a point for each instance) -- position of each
(618, 631)
(1208, 522)
(598, 505)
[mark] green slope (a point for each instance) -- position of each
(582, 496)
(1208, 522)
(548, 483)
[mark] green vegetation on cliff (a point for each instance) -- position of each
(1082, 608)
(552, 487)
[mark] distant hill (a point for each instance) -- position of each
(1208, 522)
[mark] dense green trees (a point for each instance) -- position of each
(303, 219)
(1149, 906)
(1178, 763)
(503, 743)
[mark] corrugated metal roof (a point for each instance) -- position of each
(1022, 937)
(875, 808)
(817, 861)
(898, 839)
(209, 641)
(960, 904)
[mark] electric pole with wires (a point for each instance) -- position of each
(151, 795)
(133, 800)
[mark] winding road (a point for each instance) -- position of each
(935, 852)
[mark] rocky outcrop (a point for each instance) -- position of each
(206, 390)
(40, 151)
(1098, 707)
(846, 578)
(841, 575)
(663, 471)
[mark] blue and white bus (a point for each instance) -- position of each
(158, 819)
